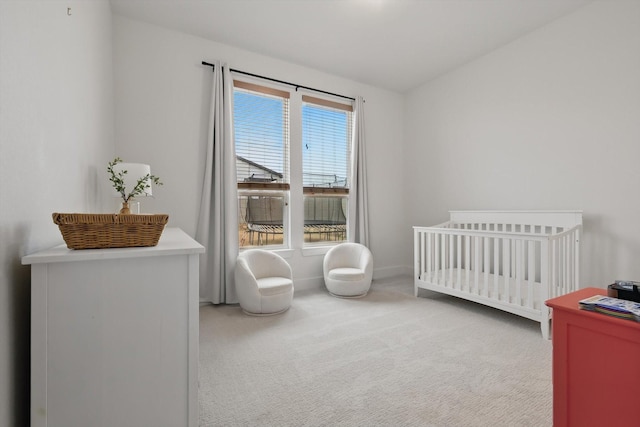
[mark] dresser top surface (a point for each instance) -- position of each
(173, 241)
(570, 300)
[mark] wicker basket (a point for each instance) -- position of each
(92, 231)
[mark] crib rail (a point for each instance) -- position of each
(563, 219)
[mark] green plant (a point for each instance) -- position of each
(117, 180)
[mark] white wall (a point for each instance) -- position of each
(56, 131)
(162, 107)
(551, 121)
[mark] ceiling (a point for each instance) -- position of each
(391, 44)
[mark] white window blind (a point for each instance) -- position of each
(261, 128)
(326, 142)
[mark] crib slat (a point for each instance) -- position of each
(443, 259)
(576, 267)
(562, 252)
(569, 258)
(519, 270)
(486, 256)
(570, 279)
(451, 248)
(426, 251)
(565, 288)
(568, 264)
(476, 263)
(553, 269)
(419, 256)
(531, 272)
(496, 267)
(563, 265)
(559, 266)
(506, 265)
(467, 261)
(427, 256)
(436, 257)
(417, 269)
(458, 261)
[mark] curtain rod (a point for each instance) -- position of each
(297, 86)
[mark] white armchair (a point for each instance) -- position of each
(348, 269)
(264, 282)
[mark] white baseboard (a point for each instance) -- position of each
(309, 283)
(399, 270)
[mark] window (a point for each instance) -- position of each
(267, 171)
(326, 137)
(261, 128)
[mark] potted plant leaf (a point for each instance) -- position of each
(128, 186)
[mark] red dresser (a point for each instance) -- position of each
(596, 365)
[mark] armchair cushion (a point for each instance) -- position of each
(346, 274)
(274, 285)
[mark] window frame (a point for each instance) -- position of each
(294, 192)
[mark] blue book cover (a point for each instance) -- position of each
(612, 306)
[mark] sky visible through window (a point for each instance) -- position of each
(260, 127)
(324, 146)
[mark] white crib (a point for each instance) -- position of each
(510, 260)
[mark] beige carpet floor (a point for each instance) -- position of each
(388, 359)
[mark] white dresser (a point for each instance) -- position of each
(114, 335)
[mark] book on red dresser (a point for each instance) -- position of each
(616, 307)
